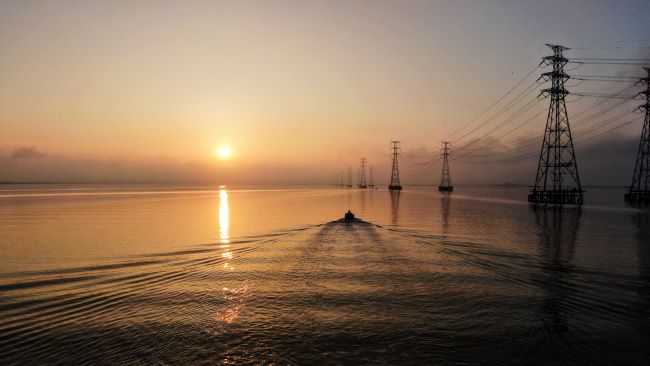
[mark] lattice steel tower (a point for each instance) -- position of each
(445, 177)
(640, 188)
(362, 174)
(557, 179)
(371, 181)
(394, 176)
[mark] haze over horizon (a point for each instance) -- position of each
(149, 91)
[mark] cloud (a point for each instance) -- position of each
(23, 152)
(606, 161)
(54, 168)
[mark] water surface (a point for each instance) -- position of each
(205, 275)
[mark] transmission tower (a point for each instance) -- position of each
(394, 176)
(371, 181)
(362, 174)
(557, 179)
(349, 177)
(445, 178)
(640, 188)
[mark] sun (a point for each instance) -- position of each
(224, 152)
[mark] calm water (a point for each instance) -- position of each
(185, 275)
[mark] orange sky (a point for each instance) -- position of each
(285, 84)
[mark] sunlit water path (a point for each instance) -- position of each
(152, 275)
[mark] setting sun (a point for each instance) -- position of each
(224, 152)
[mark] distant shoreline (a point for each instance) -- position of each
(503, 185)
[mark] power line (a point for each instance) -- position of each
(533, 154)
(526, 145)
(609, 63)
(579, 122)
(604, 80)
(504, 109)
(494, 103)
(525, 108)
(634, 78)
(617, 95)
(601, 95)
(608, 59)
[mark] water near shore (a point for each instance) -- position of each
(158, 275)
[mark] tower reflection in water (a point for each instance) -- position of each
(557, 230)
(394, 206)
(445, 201)
(642, 225)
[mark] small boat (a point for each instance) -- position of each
(349, 216)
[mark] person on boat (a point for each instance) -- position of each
(349, 216)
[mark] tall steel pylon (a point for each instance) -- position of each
(349, 177)
(557, 179)
(639, 190)
(445, 177)
(362, 174)
(371, 181)
(394, 176)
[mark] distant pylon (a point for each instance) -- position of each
(349, 176)
(640, 188)
(362, 174)
(445, 177)
(371, 181)
(394, 176)
(557, 179)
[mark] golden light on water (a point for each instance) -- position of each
(235, 300)
(224, 220)
(224, 236)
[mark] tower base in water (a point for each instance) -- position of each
(638, 196)
(395, 188)
(564, 196)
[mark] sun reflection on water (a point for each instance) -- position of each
(235, 298)
(224, 222)
(224, 236)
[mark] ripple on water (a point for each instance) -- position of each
(333, 293)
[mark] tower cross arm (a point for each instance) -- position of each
(547, 60)
(555, 74)
(557, 47)
(559, 90)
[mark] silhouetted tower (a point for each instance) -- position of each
(349, 176)
(394, 176)
(371, 181)
(362, 174)
(445, 177)
(557, 179)
(640, 189)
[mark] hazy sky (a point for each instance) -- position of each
(148, 90)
